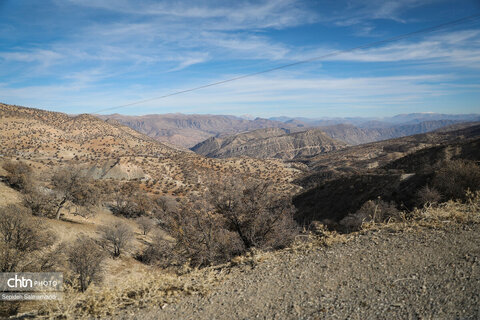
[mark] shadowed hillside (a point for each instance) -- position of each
(394, 171)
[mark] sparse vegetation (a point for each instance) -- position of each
(187, 221)
(130, 201)
(233, 217)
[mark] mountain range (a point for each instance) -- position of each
(186, 131)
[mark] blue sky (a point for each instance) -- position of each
(80, 56)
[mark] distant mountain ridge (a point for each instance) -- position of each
(188, 130)
(269, 143)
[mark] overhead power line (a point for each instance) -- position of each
(331, 54)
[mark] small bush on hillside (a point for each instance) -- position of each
(377, 211)
(40, 202)
(200, 237)
(454, 178)
(160, 252)
(69, 185)
(260, 217)
(18, 175)
(428, 195)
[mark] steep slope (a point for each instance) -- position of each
(47, 140)
(393, 170)
(367, 156)
(269, 143)
(187, 130)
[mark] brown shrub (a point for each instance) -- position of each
(427, 195)
(70, 185)
(18, 175)
(377, 211)
(233, 217)
(454, 178)
(40, 202)
(129, 200)
(200, 238)
(146, 224)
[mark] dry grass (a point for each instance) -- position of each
(153, 288)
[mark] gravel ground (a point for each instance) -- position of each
(416, 274)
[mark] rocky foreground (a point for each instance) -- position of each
(414, 273)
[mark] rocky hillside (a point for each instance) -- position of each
(186, 130)
(48, 140)
(269, 143)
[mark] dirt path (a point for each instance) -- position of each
(421, 274)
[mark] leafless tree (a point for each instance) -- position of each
(70, 185)
(199, 235)
(40, 202)
(20, 237)
(234, 216)
(146, 224)
(85, 259)
(116, 238)
(260, 216)
(130, 200)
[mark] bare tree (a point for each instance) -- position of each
(146, 224)
(40, 202)
(85, 259)
(200, 236)
(130, 200)
(234, 216)
(20, 237)
(71, 185)
(116, 238)
(260, 216)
